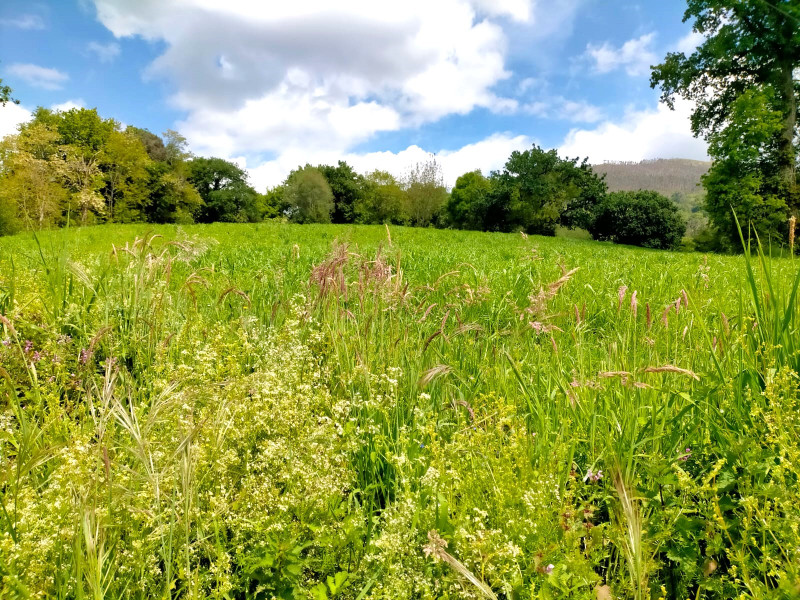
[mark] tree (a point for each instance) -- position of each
(172, 199)
(426, 192)
(31, 186)
(533, 190)
(123, 162)
(470, 202)
(383, 201)
(347, 187)
(579, 208)
(751, 50)
(5, 95)
(308, 197)
(153, 145)
(644, 218)
(223, 187)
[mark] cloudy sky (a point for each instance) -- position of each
(273, 84)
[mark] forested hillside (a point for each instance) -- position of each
(665, 175)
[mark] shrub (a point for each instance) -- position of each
(644, 218)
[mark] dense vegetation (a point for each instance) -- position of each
(325, 411)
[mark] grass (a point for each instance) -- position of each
(257, 411)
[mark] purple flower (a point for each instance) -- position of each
(686, 455)
(28, 346)
(7, 343)
(37, 356)
(85, 356)
(591, 476)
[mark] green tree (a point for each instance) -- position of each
(644, 218)
(534, 189)
(383, 201)
(172, 199)
(223, 187)
(123, 162)
(5, 95)
(308, 197)
(153, 144)
(470, 202)
(425, 192)
(743, 69)
(30, 184)
(347, 187)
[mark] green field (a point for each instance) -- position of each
(274, 410)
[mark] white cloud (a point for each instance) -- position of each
(689, 43)
(106, 53)
(564, 109)
(12, 115)
(635, 56)
(68, 105)
(27, 22)
(257, 77)
(41, 77)
(659, 133)
(487, 155)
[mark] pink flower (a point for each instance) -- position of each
(549, 569)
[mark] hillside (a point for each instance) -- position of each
(668, 176)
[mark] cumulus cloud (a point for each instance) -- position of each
(11, 116)
(635, 56)
(27, 22)
(486, 155)
(258, 77)
(106, 53)
(659, 133)
(689, 43)
(41, 77)
(68, 105)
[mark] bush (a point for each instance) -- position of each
(644, 218)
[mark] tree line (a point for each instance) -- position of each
(76, 167)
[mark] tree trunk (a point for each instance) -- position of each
(786, 156)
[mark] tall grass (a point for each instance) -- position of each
(282, 411)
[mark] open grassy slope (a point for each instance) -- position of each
(313, 411)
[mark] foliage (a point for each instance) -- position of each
(223, 187)
(643, 218)
(743, 178)
(348, 189)
(307, 196)
(5, 95)
(743, 72)
(470, 202)
(425, 191)
(383, 201)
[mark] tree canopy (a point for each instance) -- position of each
(741, 81)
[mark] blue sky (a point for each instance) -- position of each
(379, 84)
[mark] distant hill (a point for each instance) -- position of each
(666, 175)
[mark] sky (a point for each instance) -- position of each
(275, 84)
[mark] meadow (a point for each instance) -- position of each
(323, 411)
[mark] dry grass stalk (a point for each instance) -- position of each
(8, 325)
(434, 373)
(634, 304)
(665, 316)
(435, 548)
(633, 544)
(329, 276)
(673, 369)
(792, 226)
(649, 316)
(623, 289)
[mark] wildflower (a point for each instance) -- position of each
(7, 343)
(28, 346)
(37, 356)
(593, 477)
(549, 568)
(85, 356)
(687, 453)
